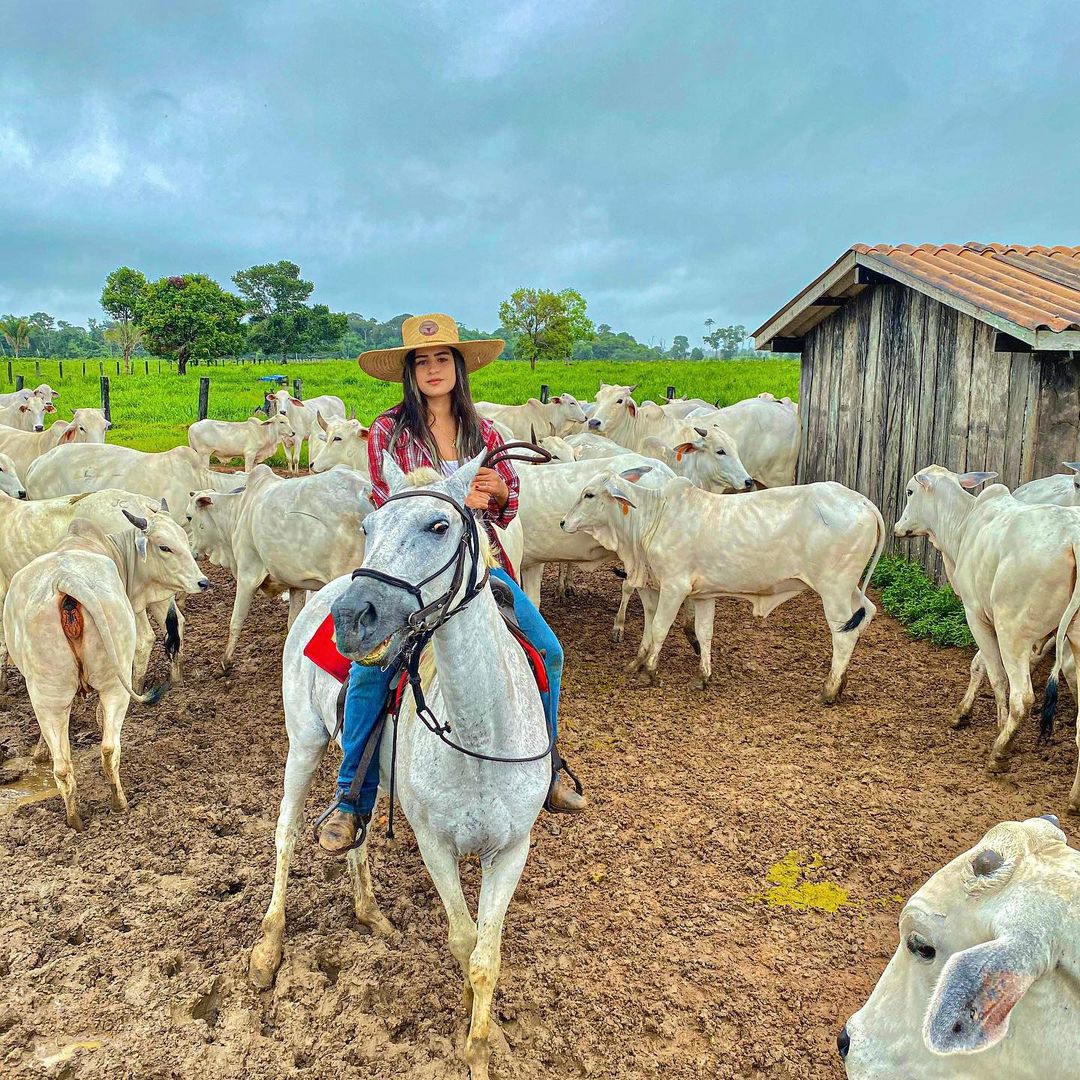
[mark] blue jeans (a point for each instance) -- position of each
(368, 687)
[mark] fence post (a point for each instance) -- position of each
(84, 368)
(159, 367)
(146, 364)
(37, 370)
(298, 388)
(101, 369)
(117, 367)
(545, 392)
(18, 382)
(9, 371)
(106, 404)
(670, 392)
(60, 365)
(204, 397)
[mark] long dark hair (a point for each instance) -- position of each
(413, 418)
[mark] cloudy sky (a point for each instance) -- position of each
(671, 160)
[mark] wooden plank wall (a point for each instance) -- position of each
(895, 381)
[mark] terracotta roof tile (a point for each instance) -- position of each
(1034, 287)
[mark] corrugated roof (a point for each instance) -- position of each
(1015, 288)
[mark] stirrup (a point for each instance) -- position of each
(362, 822)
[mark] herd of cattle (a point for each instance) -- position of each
(693, 502)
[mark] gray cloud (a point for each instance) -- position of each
(672, 161)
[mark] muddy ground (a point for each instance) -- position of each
(650, 936)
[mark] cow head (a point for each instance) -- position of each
(345, 442)
(604, 498)
(709, 457)
(10, 484)
(32, 413)
(164, 564)
(611, 413)
(931, 493)
(87, 426)
(993, 926)
(568, 415)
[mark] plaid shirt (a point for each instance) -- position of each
(409, 455)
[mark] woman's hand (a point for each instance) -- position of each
(487, 485)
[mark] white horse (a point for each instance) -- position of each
(457, 805)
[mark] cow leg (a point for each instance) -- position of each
(649, 598)
(689, 618)
(667, 608)
(3, 642)
(53, 721)
(245, 592)
(112, 709)
(297, 600)
(620, 617)
(531, 579)
(365, 905)
(987, 643)
(1016, 659)
(565, 587)
(442, 865)
(704, 620)
(838, 610)
(144, 645)
(305, 756)
(1074, 649)
(967, 705)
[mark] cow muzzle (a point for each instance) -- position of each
(594, 425)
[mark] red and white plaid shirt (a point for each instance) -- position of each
(410, 454)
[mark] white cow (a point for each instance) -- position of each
(44, 391)
(588, 446)
(70, 622)
(562, 415)
(1060, 489)
(302, 416)
(560, 449)
(768, 433)
(1014, 568)
(28, 415)
(10, 484)
(25, 447)
(253, 439)
(679, 408)
(170, 475)
(765, 546)
(340, 442)
(985, 983)
(30, 529)
(281, 534)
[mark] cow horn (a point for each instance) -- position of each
(164, 508)
(701, 431)
(352, 413)
(140, 523)
(532, 434)
(987, 862)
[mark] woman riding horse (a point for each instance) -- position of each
(435, 425)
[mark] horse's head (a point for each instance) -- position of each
(417, 546)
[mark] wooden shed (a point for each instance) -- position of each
(963, 355)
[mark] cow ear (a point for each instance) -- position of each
(557, 400)
(631, 408)
(970, 480)
(24, 408)
(976, 993)
(636, 473)
(394, 477)
(1074, 466)
(296, 401)
(684, 448)
(49, 407)
(922, 480)
(363, 433)
(69, 435)
(203, 501)
(140, 545)
(625, 503)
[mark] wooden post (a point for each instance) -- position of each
(204, 397)
(37, 370)
(106, 405)
(9, 372)
(117, 367)
(146, 364)
(101, 369)
(159, 367)
(84, 368)
(18, 382)
(670, 392)
(545, 392)
(60, 364)
(298, 388)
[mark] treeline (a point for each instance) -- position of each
(190, 317)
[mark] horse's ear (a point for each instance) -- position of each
(458, 485)
(394, 477)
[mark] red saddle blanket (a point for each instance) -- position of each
(323, 652)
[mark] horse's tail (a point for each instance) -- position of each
(1046, 720)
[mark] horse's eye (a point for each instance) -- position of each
(439, 527)
(920, 947)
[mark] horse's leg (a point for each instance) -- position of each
(500, 879)
(367, 907)
(306, 751)
(442, 865)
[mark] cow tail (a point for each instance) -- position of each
(856, 619)
(1046, 719)
(91, 603)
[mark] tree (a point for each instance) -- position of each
(124, 288)
(190, 316)
(696, 354)
(42, 327)
(730, 339)
(16, 333)
(680, 347)
(273, 288)
(127, 337)
(546, 325)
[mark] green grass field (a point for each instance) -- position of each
(152, 412)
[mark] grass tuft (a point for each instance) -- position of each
(925, 610)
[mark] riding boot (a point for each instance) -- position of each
(564, 798)
(339, 831)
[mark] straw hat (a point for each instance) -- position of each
(423, 332)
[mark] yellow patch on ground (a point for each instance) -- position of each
(791, 889)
